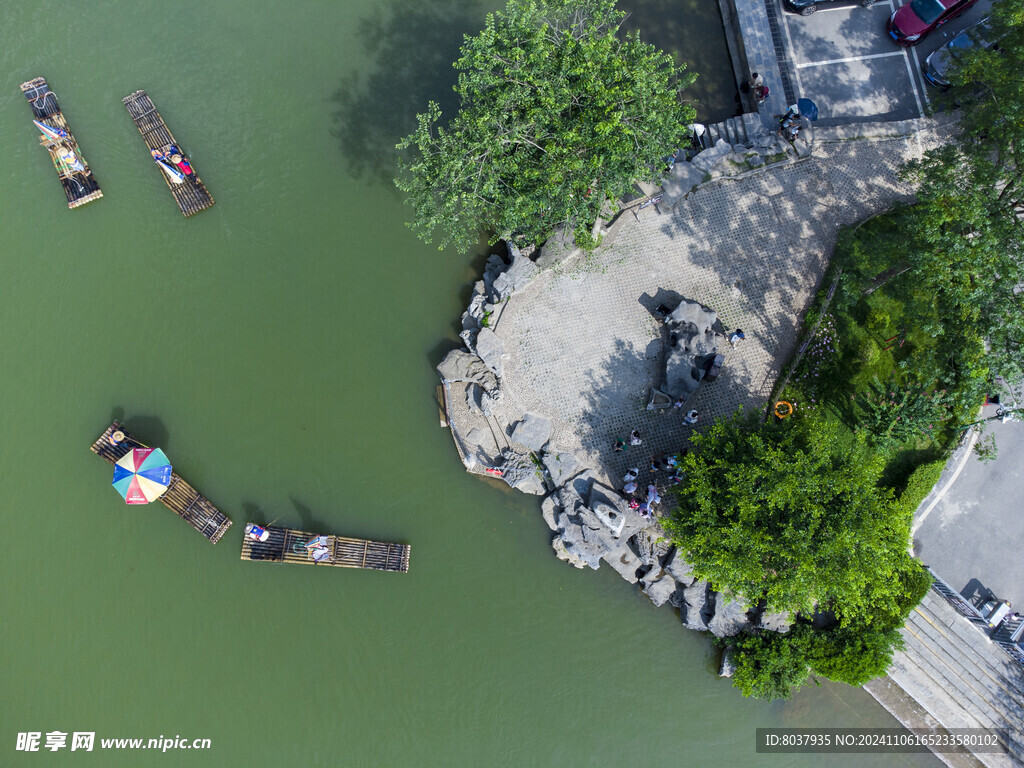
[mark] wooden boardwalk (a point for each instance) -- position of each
(191, 195)
(180, 497)
(80, 187)
(286, 545)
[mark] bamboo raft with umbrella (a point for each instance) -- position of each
(80, 185)
(187, 188)
(285, 545)
(181, 498)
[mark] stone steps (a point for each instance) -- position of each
(970, 647)
(960, 676)
(735, 130)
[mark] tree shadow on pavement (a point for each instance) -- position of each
(409, 48)
(616, 403)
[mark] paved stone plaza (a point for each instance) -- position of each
(581, 343)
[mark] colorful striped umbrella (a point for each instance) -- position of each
(142, 474)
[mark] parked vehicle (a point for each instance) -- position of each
(908, 25)
(936, 66)
(807, 7)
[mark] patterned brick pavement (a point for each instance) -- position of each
(581, 349)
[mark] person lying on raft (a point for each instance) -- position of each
(173, 156)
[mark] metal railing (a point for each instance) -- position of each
(1009, 634)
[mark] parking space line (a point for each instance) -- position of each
(913, 86)
(910, 73)
(849, 59)
(924, 87)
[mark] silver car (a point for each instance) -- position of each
(936, 66)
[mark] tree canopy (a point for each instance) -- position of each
(792, 513)
(558, 114)
(966, 242)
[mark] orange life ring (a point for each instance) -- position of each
(787, 413)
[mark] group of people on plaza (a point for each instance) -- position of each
(643, 503)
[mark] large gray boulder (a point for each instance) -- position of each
(706, 160)
(561, 466)
(698, 604)
(603, 498)
(460, 365)
(519, 471)
(774, 622)
(679, 569)
(624, 561)
(695, 334)
(565, 555)
(659, 586)
(650, 546)
(520, 272)
(533, 431)
(549, 510)
(730, 618)
(683, 178)
(490, 349)
(583, 543)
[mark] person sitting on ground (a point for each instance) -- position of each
(629, 487)
(691, 417)
(631, 474)
(634, 438)
(737, 336)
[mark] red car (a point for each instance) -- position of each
(908, 25)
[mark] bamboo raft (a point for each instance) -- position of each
(191, 195)
(180, 497)
(286, 545)
(80, 187)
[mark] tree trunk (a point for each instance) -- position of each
(881, 279)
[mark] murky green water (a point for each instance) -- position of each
(280, 348)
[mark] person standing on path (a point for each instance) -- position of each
(736, 337)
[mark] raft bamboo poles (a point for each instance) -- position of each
(191, 195)
(286, 545)
(180, 497)
(80, 186)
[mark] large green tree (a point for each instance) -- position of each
(966, 240)
(558, 114)
(792, 513)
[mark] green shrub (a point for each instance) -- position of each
(853, 655)
(920, 484)
(771, 666)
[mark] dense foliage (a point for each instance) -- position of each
(558, 114)
(966, 238)
(792, 513)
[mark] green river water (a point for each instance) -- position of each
(280, 347)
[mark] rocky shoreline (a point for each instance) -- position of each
(591, 522)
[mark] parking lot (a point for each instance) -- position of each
(842, 58)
